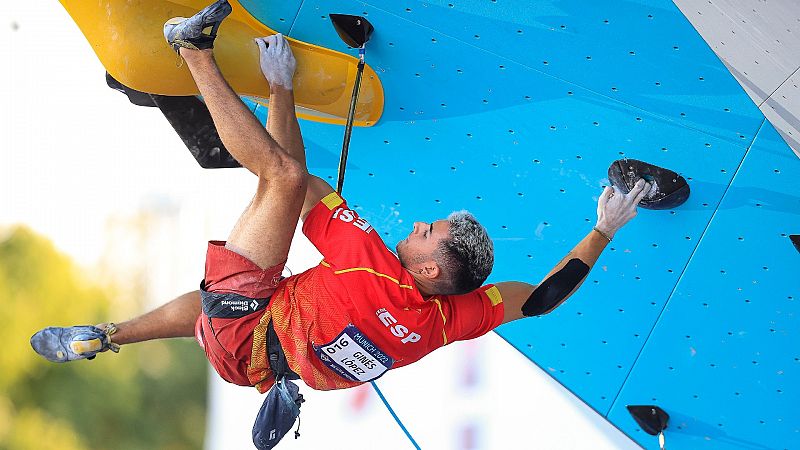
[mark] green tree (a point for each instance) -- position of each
(150, 395)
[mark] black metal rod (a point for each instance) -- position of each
(349, 127)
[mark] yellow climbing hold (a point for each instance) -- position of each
(127, 36)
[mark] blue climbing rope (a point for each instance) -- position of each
(391, 411)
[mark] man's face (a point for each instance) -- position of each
(421, 244)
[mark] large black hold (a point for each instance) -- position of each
(190, 118)
(138, 98)
(669, 189)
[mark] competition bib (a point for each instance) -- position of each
(353, 356)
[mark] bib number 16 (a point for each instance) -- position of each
(336, 346)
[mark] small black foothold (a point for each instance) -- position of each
(650, 418)
(795, 240)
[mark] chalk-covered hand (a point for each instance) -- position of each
(277, 61)
(615, 209)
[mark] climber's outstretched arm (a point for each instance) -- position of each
(614, 210)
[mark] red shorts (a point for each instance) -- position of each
(228, 342)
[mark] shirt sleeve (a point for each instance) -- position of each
(338, 232)
(471, 315)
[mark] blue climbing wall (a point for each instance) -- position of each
(514, 110)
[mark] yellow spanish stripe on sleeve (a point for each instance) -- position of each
(444, 319)
(494, 295)
(325, 263)
(372, 271)
(332, 200)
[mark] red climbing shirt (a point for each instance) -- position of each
(358, 313)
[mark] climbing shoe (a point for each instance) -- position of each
(188, 33)
(60, 345)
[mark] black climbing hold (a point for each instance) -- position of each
(795, 240)
(355, 31)
(669, 189)
(138, 98)
(650, 418)
(191, 119)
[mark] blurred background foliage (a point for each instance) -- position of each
(149, 396)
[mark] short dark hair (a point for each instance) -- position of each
(466, 257)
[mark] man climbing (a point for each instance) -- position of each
(363, 310)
